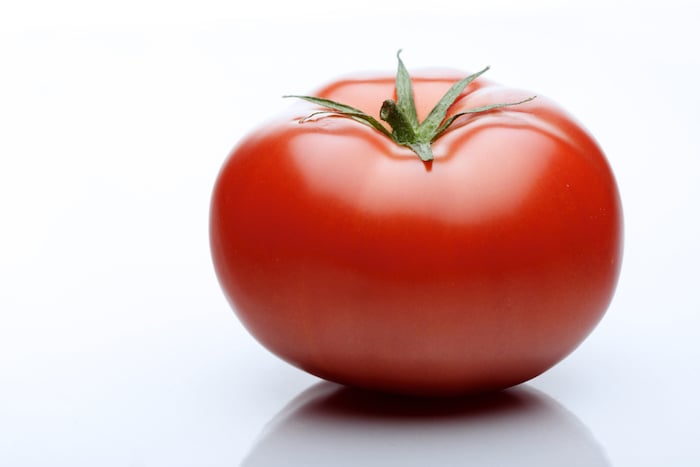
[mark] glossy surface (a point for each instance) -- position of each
(347, 256)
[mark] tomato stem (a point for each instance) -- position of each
(402, 117)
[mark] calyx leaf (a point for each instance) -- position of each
(402, 117)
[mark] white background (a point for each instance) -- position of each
(117, 347)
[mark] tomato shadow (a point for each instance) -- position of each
(339, 426)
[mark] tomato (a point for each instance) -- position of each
(475, 269)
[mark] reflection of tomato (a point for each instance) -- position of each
(346, 255)
(342, 427)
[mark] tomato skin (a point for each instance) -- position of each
(347, 256)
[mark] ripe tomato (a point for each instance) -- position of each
(346, 255)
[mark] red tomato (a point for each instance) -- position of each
(347, 256)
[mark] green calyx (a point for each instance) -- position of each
(401, 114)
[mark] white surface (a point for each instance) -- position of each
(116, 345)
